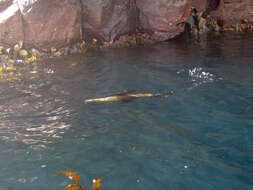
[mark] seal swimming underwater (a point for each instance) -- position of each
(126, 96)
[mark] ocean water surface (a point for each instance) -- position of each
(201, 137)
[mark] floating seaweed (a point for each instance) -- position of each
(76, 186)
(18, 53)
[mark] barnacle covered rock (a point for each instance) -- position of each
(82, 47)
(201, 23)
(57, 54)
(94, 41)
(53, 51)
(36, 52)
(31, 59)
(23, 53)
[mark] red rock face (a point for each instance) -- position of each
(52, 23)
(46, 23)
(108, 19)
(5, 4)
(11, 29)
(200, 5)
(161, 17)
(234, 11)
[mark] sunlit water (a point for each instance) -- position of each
(201, 137)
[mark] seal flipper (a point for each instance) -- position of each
(125, 92)
(125, 100)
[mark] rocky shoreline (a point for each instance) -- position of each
(67, 26)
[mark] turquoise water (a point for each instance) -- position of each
(201, 137)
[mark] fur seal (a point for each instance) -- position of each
(126, 96)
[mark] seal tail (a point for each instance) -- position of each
(165, 94)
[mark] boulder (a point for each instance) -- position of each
(108, 19)
(228, 12)
(51, 23)
(213, 8)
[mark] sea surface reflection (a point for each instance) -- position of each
(198, 138)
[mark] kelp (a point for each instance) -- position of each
(96, 183)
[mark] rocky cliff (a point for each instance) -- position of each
(60, 23)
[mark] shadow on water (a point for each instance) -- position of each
(198, 138)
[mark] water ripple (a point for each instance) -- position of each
(32, 110)
(199, 76)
